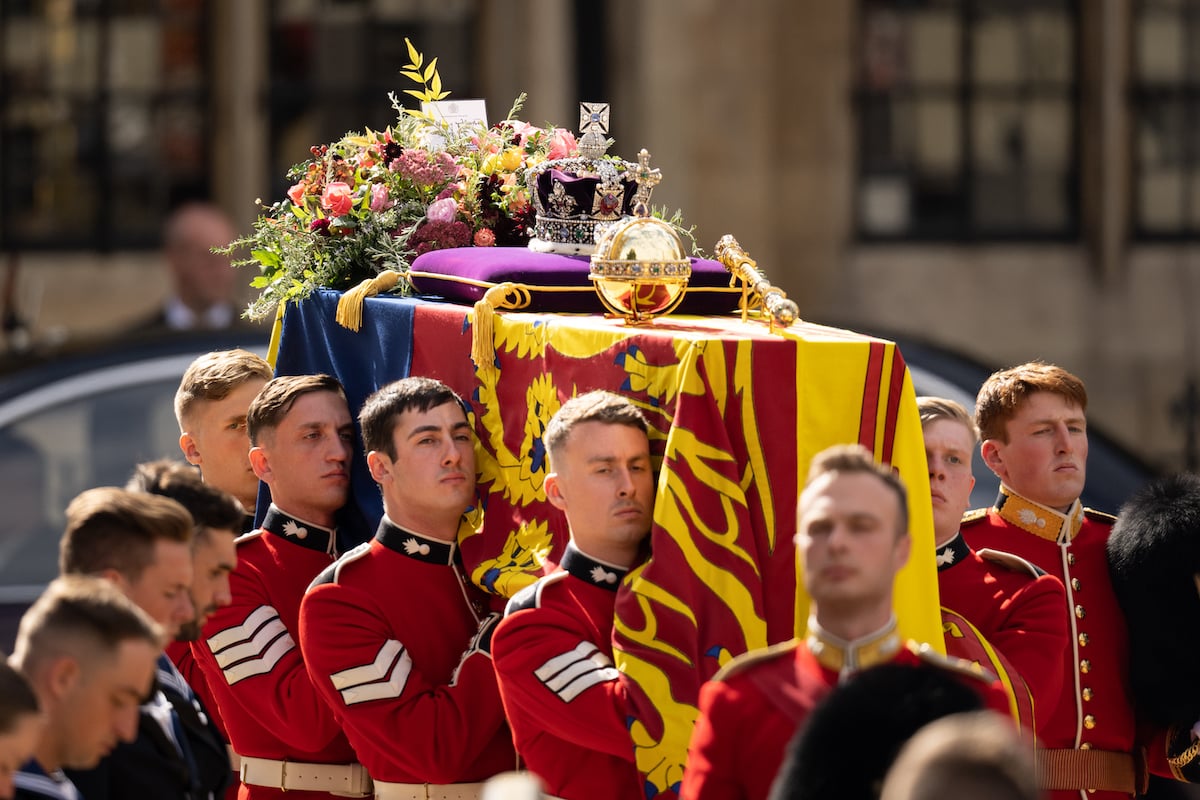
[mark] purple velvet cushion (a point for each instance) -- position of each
(463, 274)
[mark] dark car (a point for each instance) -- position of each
(79, 421)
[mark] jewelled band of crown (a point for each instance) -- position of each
(783, 311)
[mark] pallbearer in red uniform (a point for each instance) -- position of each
(286, 736)
(396, 638)
(553, 651)
(853, 539)
(210, 406)
(1015, 607)
(1034, 429)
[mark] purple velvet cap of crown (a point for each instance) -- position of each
(492, 265)
(582, 190)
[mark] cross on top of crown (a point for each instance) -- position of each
(593, 124)
(593, 117)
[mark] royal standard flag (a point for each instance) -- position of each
(736, 414)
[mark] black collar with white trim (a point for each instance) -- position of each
(952, 552)
(592, 570)
(298, 531)
(415, 545)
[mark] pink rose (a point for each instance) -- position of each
(379, 198)
(337, 198)
(563, 144)
(522, 129)
(443, 210)
(485, 238)
(296, 194)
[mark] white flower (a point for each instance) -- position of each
(1027, 516)
(291, 528)
(412, 547)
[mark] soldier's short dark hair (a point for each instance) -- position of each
(211, 508)
(82, 617)
(111, 528)
(16, 697)
(932, 409)
(1003, 394)
(276, 399)
(213, 376)
(383, 408)
(596, 406)
(854, 458)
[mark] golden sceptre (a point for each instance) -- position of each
(744, 268)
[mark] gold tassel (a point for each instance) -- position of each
(276, 334)
(350, 306)
(483, 328)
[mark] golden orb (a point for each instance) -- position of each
(640, 268)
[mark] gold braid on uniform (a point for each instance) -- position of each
(847, 656)
(1184, 759)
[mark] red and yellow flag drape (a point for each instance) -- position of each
(737, 412)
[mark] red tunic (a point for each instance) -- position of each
(1095, 710)
(1018, 612)
(389, 636)
(751, 709)
(248, 652)
(554, 660)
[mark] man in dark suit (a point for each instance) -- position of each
(142, 543)
(203, 284)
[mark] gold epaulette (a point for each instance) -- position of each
(738, 663)
(1099, 516)
(972, 516)
(960, 665)
(1010, 561)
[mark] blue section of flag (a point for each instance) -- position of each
(312, 342)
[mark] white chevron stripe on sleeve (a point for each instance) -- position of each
(252, 648)
(570, 674)
(371, 681)
(240, 633)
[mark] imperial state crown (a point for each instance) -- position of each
(575, 199)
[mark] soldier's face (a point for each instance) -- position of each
(431, 481)
(604, 480)
(948, 448)
(214, 557)
(306, 459)
(850, 541)
(1045, 457)
(216, 441)
(101, 709)
(163, 589)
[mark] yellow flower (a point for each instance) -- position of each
(490, 164)
(510, 159)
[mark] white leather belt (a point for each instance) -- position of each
(427, 791)
(343, 780)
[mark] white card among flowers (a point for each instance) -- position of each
(454, 113)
